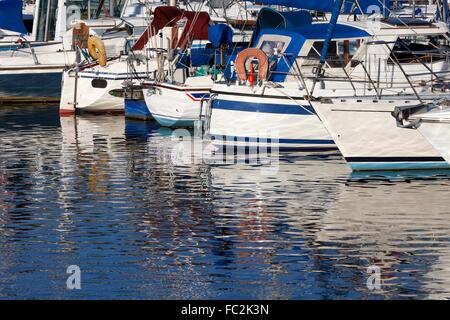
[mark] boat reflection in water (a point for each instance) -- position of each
(402, 228)
(113, 197)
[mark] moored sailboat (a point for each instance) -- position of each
(354, 81)
(405, 64)
(105, 82)
(180, 99)
(170, 28)
(270, 105)
(31, 65)
(431, 120)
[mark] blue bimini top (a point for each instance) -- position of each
(298, 37)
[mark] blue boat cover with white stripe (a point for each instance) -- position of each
(318, 31)
(350, 6)
(11, 16)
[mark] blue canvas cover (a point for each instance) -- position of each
(271, 19)
(318, 31)
(319, 5)
(326, 5)
(200, 56)
(203, 56)
(220, 34)
(11, 16)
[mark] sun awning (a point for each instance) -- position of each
(165, 16)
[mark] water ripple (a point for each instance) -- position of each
(105, 193)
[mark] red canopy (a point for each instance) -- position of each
(166, 16)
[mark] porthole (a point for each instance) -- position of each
(99, 83)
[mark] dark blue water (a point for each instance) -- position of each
(108, 195)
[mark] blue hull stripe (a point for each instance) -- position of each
(102, 73)
(263, 107)
(273, 140)
(399, 174)
(200, 96)
(171, 118)
(377, 166)
(172, 121)
(109, 78)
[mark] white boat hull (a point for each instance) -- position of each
(438, 134)
(93, 89)
(176, 106)
(434, 125)
(369, 139)
(246, 118)
(87, 98)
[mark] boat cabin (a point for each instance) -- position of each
(293, 45)
(291, 40)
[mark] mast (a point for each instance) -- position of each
(330, 31)
(326, 44)
(47, 22)
(112, 4)
(36, 20)
(61, 20)
(445, 11)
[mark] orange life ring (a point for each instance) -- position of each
(97, 50)
(246, 54)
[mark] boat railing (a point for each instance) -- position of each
(27, 43)
(424, 58)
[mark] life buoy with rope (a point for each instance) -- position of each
(97, 50)
(242, 58)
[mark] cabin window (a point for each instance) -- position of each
(273, 46)
(340, 52)
(99, 83)
(270, 47)
(47, 14)
(420, 49)
(273, 43)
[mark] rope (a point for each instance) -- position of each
(272, 85)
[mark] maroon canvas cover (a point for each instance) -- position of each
(166, 16)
